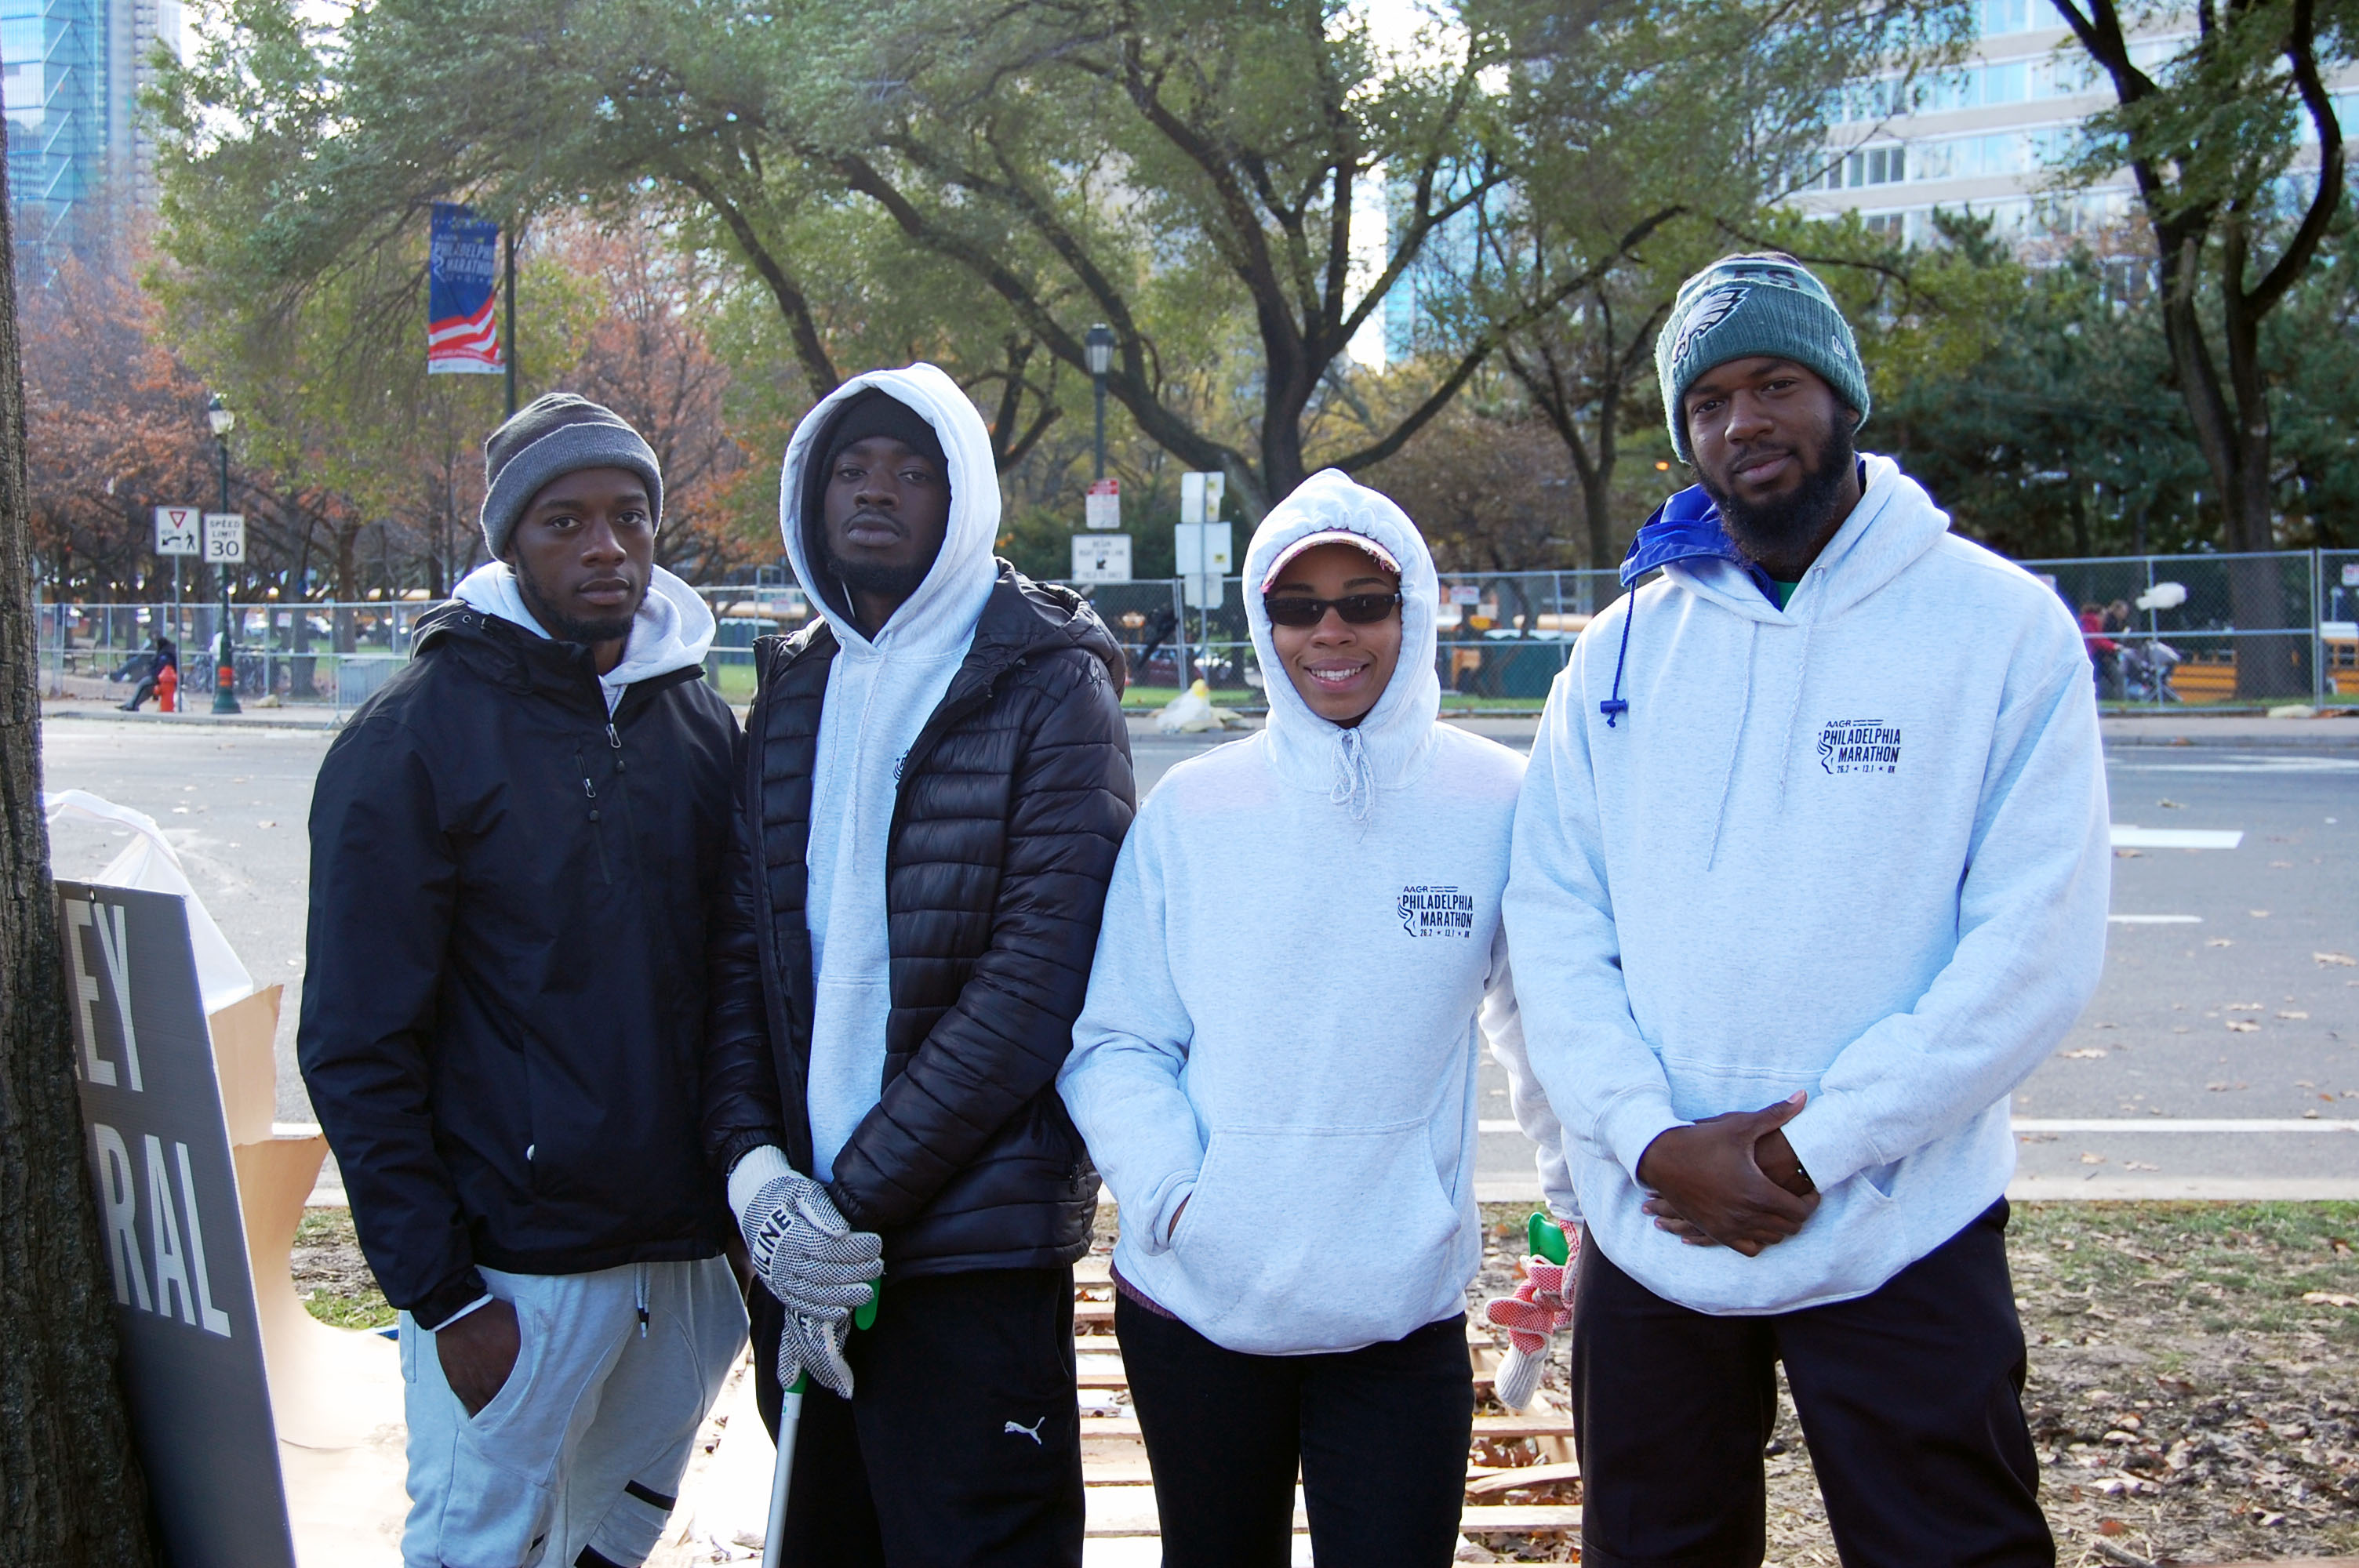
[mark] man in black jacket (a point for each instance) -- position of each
(516, 848)
(938, 781)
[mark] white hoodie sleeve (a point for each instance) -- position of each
(2031, 940)
(1605, 1083)
(1122, 1082)
(1502, 1025)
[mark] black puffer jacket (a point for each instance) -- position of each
(505, 996)
(1011, 807)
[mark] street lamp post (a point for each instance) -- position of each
(1100, 352)
(225, 640)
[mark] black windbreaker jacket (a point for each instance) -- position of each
(505, 1001)
(1011, 809)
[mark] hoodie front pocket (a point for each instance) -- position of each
(1316, 1239)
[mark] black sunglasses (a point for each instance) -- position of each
(1356, 609)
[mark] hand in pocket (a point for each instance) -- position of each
(478, 1353)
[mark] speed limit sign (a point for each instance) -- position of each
(226, 537)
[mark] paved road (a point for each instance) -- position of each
(2221, 1012)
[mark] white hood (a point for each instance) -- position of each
(944, 610)
(880, 693)
(1389, 746)
(673, 629)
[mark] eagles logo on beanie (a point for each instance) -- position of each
(1742, 306)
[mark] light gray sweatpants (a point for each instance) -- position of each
(584, 1445)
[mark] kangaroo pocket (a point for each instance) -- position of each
(1303, 1239)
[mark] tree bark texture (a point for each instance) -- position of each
(70, 1491)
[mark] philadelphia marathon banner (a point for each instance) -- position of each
(463, 328)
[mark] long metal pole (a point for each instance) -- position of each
(225, 671)
(1100, 379)
(508, 319)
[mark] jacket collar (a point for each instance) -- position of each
(525, 665)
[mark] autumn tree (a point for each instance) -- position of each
(2236, 151)
(70, 1489)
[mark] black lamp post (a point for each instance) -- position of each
(226, 640)
(1100, 352)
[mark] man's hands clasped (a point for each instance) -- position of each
(1730, 1181)
(819, 1267)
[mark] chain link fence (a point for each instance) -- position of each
(2163, 631)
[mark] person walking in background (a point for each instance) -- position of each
(165, 655)
(1792, 919)
(938, 781)
(1300, 958)
(516, 845)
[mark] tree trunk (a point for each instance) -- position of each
(70, 1491)
(2271, 666)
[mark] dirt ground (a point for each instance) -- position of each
(2195, 1383)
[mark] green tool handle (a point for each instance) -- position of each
(863, 1316)
(1546, 1238)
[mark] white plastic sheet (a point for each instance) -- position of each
(149, 862)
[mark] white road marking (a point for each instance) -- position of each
(2182, 1124)
(2126, 837)
(2244, 765)
(2156, 919)
(2246, 1124)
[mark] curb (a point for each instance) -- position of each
(269, 720)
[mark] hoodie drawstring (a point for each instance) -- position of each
(1355, 788)
(1614, 707)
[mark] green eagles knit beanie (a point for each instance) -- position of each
(1742, 306)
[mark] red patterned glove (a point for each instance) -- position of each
(1541, 1305)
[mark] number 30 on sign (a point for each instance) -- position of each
(226, 537)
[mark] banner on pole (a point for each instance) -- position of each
(463, 269)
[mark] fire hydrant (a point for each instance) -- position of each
(167, 686)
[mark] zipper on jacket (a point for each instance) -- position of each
(596, 835)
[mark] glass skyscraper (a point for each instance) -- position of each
(81, 160)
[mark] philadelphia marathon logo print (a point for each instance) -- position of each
(1432, 911)
(1860, 746)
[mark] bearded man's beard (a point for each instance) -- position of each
(565, 628)
(1787, 524)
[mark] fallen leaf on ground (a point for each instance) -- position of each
(2092, 1159)
(2289, 1014)
(2329, 1298)
(2343, 958)
(2243, 1026)
(2248, 1006)
(2221, 942)
(2086, 1053)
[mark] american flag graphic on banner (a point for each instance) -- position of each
(462, 326)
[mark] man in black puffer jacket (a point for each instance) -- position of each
(937, 782)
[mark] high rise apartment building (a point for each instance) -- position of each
(1984, 136)
(82, 159)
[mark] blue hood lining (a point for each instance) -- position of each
(1687, 527)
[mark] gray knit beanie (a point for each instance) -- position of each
(554, 435)
(1742, 306)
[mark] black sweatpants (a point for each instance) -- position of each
(960, 1444)
(1910, 1398)
(1379, 1435)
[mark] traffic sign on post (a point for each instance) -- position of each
(1201, 556)
(225, 538)
(1200, 496)
(177, 531)
(1101, 558)
(1102, 510)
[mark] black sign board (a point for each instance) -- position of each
(175, 1241)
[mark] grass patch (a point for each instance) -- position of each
(332, 1277)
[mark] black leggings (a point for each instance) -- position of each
(1380, 1436)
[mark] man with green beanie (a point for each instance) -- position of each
(1810, 913)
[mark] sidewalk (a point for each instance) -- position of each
(309, 716)
(2245, 730)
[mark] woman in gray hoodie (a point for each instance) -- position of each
(1274, 1069)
